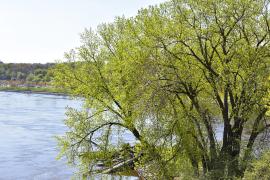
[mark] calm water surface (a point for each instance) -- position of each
(28, 124)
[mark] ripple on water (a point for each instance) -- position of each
(28, 124)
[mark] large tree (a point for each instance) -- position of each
(172, 76)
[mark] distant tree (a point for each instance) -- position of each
(20, 76)
(41, 72)
(30, 77)
(20, 71)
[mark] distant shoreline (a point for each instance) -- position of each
(33, 90)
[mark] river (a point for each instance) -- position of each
(28, 124)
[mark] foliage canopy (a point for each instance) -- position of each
(188, 79)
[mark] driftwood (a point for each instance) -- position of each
(123, 161)
(120, 165)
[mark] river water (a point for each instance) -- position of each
(28, 124)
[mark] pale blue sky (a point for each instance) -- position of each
(42, 30)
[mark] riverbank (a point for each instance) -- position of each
(36, 90)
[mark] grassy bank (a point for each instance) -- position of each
(39, 90)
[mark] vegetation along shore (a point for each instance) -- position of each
(27, 78)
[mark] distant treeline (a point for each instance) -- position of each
(25, 72)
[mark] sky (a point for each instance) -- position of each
(40, 31)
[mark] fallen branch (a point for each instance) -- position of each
(120, 165)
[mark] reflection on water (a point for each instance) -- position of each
(28, 124)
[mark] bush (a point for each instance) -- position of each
(259, 169)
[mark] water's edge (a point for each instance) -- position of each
(35, 92)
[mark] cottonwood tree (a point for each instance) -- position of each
(170, 76)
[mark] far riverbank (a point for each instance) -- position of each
(36, 90)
